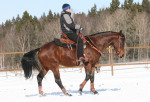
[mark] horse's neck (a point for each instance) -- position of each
(101, 44)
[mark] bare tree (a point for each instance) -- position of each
(141, 21)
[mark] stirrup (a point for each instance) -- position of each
(83, 59)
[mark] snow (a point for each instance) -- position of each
(131, 85)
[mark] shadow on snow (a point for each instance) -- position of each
(74, 92)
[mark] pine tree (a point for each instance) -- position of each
(35, 19)
(128, 4)
(13, 20)
(3, 30)
(114, 5)
(50, 16)
(8, 24)
(26, 17)
(58, 15)
(18, 19)
(125, 6)
(44, 18)
(93, 11)
(139, 7)
(133, 7)
(146, 5)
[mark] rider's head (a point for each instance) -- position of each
(66, 7)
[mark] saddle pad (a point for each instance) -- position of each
(58, 43)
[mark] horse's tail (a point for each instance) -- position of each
(29, 61)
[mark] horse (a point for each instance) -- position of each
(50, 56)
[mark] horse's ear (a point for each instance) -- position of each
(122, 35)
(120, 31)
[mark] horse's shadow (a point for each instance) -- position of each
(89, 92)
(74, 92)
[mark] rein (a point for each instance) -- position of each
(91, 44)
(98, 50)
(119, 43)
(94, 47)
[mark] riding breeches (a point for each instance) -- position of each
(74, 37)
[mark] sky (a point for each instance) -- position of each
(12, 8)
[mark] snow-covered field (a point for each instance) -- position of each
(131, 85)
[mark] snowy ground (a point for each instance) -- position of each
(131, 85)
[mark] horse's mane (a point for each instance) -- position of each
(107, 32)
(104, 33)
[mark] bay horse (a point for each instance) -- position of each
(50, 56)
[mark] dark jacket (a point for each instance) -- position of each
(67, 23)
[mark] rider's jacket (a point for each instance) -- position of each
(67, 23)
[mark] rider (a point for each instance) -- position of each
(69, 28)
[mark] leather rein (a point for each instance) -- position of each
(94, 46)
(90, 42)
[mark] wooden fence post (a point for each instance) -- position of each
(111, 62)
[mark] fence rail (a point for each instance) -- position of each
(111, 61)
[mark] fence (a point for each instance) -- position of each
(113, 61)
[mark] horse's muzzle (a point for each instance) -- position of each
(121, 53)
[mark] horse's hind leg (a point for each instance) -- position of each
(40, 77)
(58, 81)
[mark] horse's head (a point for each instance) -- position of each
(119, 44)
(102, 40)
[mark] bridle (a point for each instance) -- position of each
(119, 46)
(91, 43)
(98, 50)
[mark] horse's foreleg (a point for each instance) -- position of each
(39, 80)
(87, 71)
(92, 81)
(84, 82)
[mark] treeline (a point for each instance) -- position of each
(26, 33)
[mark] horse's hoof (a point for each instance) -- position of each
(42, 95)
(80, 92)
(67, 94)
(95, 93)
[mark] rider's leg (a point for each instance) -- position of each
(74, 37)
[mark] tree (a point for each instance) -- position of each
(13, 20)
(114, 5)
(146, 5)
(139, 7)
(43, 20)
(8, 24)
(128, 4)
(93, 11)
(141, 22)
(26, 17)
(50, 16)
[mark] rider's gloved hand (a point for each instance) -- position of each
(81, 28)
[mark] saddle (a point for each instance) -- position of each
(64, 39)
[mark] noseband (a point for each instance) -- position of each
(119, 46)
